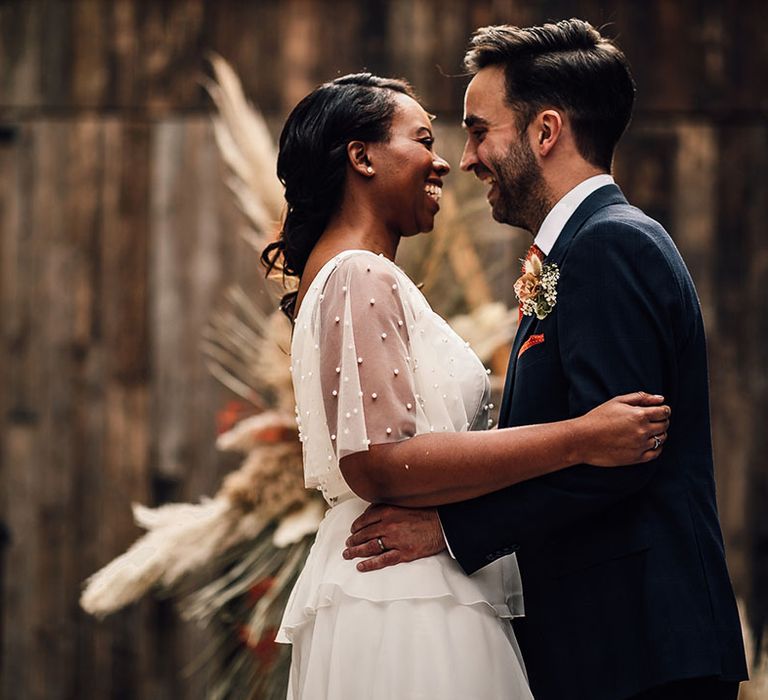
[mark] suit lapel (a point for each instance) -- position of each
(603, 197)
(523, 331)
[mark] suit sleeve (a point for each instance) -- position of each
(618, 303)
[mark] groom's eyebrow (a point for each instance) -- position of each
(473, 120)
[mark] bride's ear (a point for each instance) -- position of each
(357, 153)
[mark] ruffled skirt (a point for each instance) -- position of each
(417, 630)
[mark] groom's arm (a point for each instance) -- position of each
(619, 313)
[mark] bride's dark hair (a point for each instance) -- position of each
(312, 159)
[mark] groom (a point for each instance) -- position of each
(626, 589)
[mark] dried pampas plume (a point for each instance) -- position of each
(249, 151)
(486, 328)
(180, 537)
(263, 502)
(183, 538)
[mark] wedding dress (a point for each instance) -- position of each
(372, 364)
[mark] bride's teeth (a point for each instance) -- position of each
(433, 191)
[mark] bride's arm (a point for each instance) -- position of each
(439, 468)
(367, 367)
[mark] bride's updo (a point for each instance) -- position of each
(312, 160)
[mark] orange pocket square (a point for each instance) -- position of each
(528, 344)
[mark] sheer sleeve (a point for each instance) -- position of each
(373, 364)
(365, 362)
(352, 366)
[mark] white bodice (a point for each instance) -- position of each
(372, 363)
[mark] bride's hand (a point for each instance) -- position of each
(625, 430)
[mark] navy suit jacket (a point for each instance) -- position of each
(624, 572)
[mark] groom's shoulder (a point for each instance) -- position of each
(624, 235)
(622, 225)
(624, 217)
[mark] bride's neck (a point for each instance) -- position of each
(346, 233)
(358, 228)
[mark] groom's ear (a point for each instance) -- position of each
(549, 128)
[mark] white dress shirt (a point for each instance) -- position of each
(553, 224)
(558, 215)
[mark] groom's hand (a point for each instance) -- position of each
(389, 535)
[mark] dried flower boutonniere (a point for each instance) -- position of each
(536, 289)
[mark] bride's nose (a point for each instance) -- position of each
(441, 166)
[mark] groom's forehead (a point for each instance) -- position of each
(484, 98)
(488, 80)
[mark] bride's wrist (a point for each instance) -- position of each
(580, 430)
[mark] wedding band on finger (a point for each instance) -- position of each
(656, 442)
(381, 544)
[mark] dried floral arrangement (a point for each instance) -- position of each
(230, 561)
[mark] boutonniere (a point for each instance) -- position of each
(536, 289)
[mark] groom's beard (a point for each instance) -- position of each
(523, 199)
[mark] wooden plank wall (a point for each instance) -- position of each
(118, 237)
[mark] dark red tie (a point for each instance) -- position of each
(533, 250)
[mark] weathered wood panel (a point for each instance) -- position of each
(740, 366)
(58, 442)
(92, 367)
(144, 56)
(196, 251)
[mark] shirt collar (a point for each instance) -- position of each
(559, 214)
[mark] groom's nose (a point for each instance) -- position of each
(468, 157)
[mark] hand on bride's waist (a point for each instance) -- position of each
(389, 535)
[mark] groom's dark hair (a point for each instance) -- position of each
(568, 66)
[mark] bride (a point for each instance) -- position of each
(387, 400)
